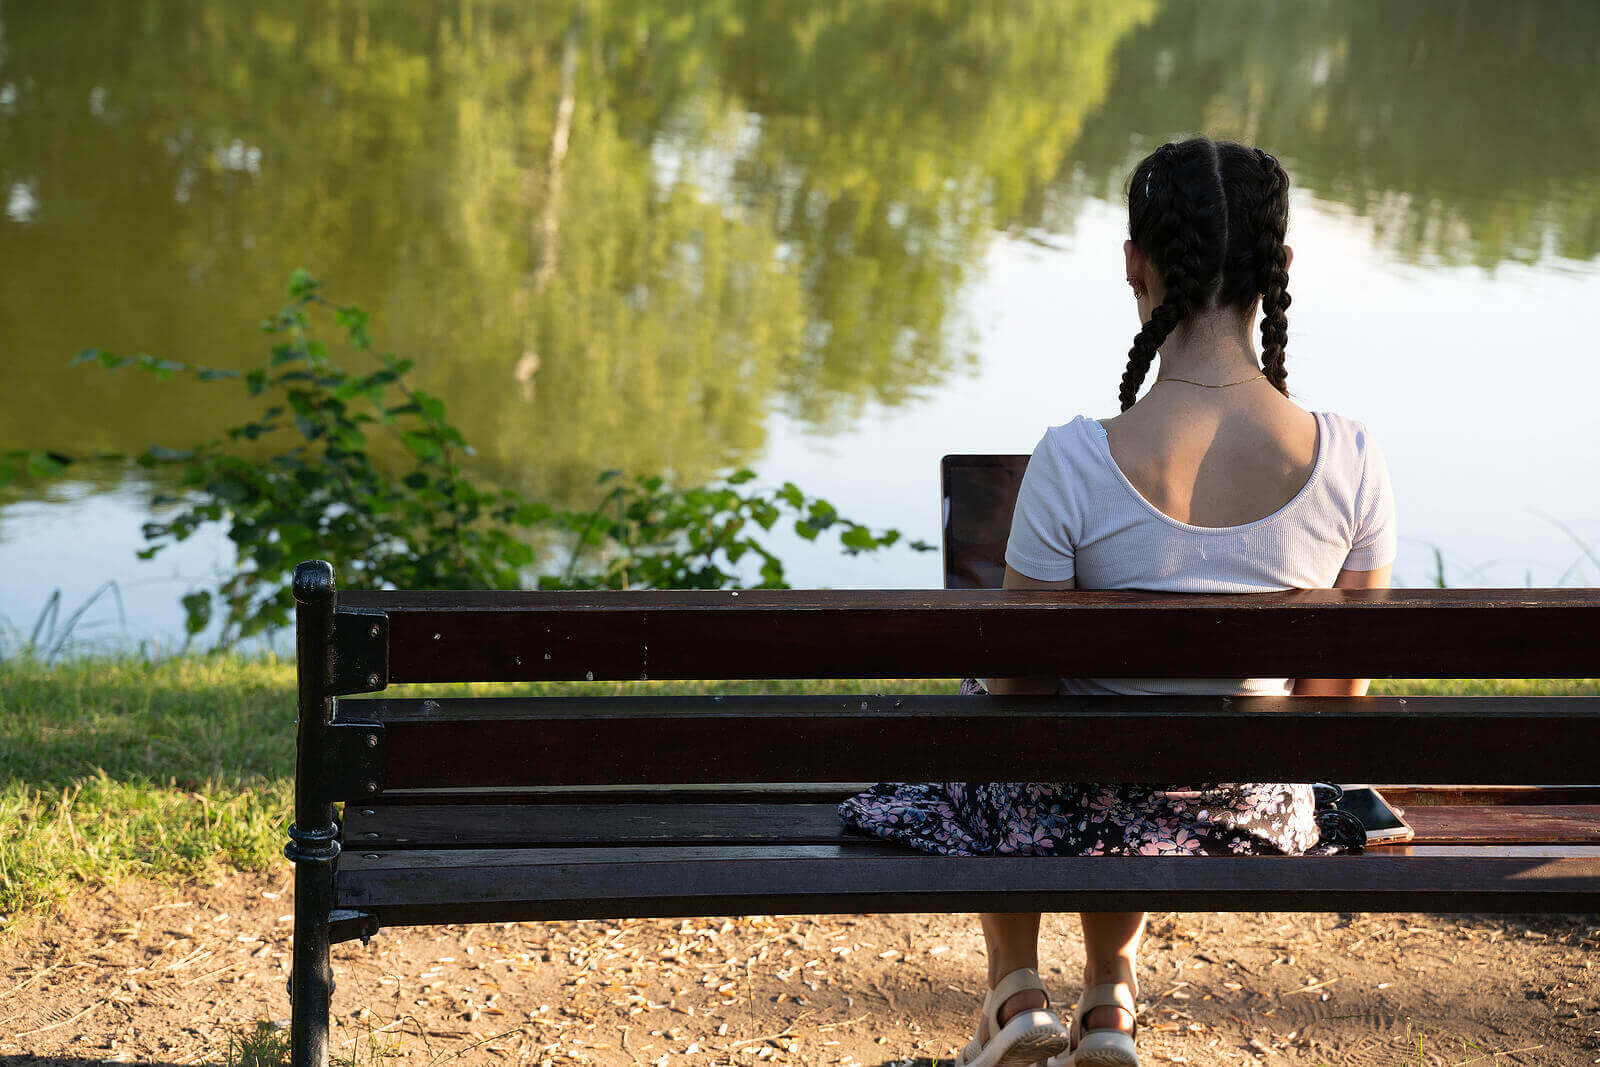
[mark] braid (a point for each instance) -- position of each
(1163, 320)
(1179, 251)
(1272, 271)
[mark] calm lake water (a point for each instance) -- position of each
(828, 240)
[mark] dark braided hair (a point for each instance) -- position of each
(1211, 216)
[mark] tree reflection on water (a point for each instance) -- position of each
(622, 237)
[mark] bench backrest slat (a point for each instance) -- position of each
(526, 636)
(472, 743)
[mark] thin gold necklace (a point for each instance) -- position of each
(1207, 385)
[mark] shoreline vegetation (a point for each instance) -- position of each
(367, 471)
(119, 767)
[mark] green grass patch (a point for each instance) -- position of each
(115, 767)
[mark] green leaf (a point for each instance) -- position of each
(423, 446)
(301, 284)
(197, 612)
(354, 322)
(858, 537)
(432, 407)
(45, 464)
(210, 374)
(739, 477)
(252, 430)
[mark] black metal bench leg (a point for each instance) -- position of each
(311, 981)
(314, 838)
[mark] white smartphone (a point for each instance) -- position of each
(1382, 820)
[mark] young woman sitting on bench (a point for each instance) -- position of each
(1213, 482)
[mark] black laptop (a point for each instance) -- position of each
(977, 494)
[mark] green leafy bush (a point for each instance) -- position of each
(422, 523)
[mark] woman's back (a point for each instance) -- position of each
(1214, 499)
(1215, 457)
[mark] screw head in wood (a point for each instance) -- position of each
(374, 631)
(371, 787)
(372, 680)
(372, 740)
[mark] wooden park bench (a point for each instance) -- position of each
(490, 809)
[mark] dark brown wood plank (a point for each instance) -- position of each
(512, 635)
(437, 826)
(476, 886)
(384, 827)
(622, 741)
(1507, 824)
(1409, 796)
(832, 792)
(680, 793)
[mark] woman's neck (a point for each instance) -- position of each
(1213, 346)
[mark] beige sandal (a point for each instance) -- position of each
(1102, 1046)
(1027, 1037)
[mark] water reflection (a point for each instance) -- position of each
(1467, 131)
(624, 235)
(614, 239)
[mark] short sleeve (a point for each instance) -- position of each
(1374, 543)
(1040, 545)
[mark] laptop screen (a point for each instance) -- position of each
(978, 493)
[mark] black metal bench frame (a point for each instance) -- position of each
(498, 809)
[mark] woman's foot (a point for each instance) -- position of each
(1110, 1017)
(1016, 1027)
(1020, 1001)
(1114, 1015)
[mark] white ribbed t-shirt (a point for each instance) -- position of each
(1077, 515)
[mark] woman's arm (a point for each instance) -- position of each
(1040, 684)
(1345, 687)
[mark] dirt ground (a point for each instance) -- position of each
(162, 975)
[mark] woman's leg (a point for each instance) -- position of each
(1012, 941)
(1110, 945)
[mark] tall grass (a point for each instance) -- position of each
(51, 635)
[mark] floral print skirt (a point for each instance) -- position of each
(1081, 819)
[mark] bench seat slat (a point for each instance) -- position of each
(469, 885)
(617, 741)
(440, 826)
(823, 792)
(449, 636)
